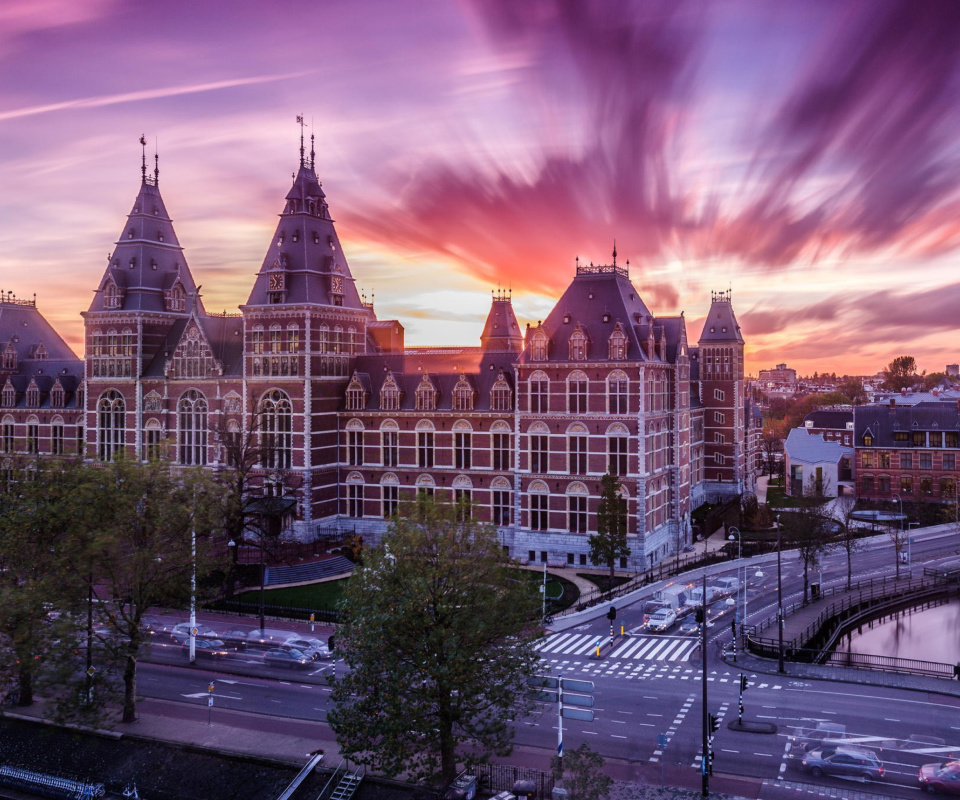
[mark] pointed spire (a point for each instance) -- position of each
(312, 154)
(143, 162)
(614, 252)
(156, 167)
(300, 122)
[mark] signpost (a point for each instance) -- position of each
(210, 703)
(574, 699)
(662, 746)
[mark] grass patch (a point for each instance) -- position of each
(603, 582)
(777, 499)
(315, 595)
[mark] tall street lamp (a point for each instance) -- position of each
(193, 596)
(900, 539)
(780, 667)
(741, 568)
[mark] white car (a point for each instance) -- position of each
(661, 620)
(311, 647)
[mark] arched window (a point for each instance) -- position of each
(462, 395)
(538, 345)
(152, 436)
(539, 393)
(356, 396)
(293, 338)
(618, 443)
(355, 495)
(112, 296)
(192, 413)
(256, 340)
(324, 336)
(33, 395)
(578, 345)
(57, 395)
(617, 344)
(577, 507)
(276, 426)
(618, 393)
(501, 397)
(577, 392)
(176, 299)
(111, 425)
(276, 339)
(501, 501)
(539, 495)
(426, 395)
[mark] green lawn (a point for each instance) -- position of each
(315, 595)
(603, 582)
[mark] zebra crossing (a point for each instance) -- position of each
(638, 648)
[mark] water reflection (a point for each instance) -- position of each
(927, 634)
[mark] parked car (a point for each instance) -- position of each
(207, 648)
(311, 647)
(823, 733)
(268, 638)
(847, 762)
(236, 638)
(943, 778)
(286, 657)
(661, 620)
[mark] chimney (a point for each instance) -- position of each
(893, 404)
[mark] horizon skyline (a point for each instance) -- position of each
(803, 157)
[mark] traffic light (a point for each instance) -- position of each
(699, 614)
(743, 682)
(612, 613)
(710, 763)
(713, 724)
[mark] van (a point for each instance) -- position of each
(696, 594)
(674, 597)
(726, 585)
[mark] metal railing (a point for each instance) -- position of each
(50, 785)
(502, 777)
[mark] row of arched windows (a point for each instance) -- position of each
(577, 387)
(275, 420)
(579, 344)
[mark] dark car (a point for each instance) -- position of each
(847, 762)
(207, 648)
(286, 657)
(943, 778)
(180, 633)
(236, 638)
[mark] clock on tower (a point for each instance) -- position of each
(336, 284)
(276, 281)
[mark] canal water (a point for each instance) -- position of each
(927, 634)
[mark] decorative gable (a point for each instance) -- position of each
(112, 295)
(10, 356)
(389, 394)
(426, 399)
(175, 298)
(463, 395)
(501, 395)
(193, 357)
(57, 395)
(33, 394)
(617, 344)
(9, 395)
(356, 395)
(578, 344)
(538, 345)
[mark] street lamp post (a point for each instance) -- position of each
(263, 580)
(193, 596)
(741, 568)
(900, 539)
(780, 667)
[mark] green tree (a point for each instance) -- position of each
(901, 373)
(807, 529)
(583, 775)
(610, 541)
(439, 643)
(851, 387)
(141, 555)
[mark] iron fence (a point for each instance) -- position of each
(502, 777)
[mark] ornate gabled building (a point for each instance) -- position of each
(350, 421)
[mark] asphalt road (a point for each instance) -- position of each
(651, 684)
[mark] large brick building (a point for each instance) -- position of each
(354, 422)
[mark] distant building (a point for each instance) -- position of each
(350, 422)
(953, 370)
(835, 423)
(908, 451)
(816, 466)
(782, 378)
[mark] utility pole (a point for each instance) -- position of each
(705, 782)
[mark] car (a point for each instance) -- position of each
(207, 648)
(268, 638)
(919, 741)
(943, 778)
(689, 625)
(180, 633)
(308, 645)
(823, 733)
(286, 657)
(236, 638)
(661, 620)
(846, 762)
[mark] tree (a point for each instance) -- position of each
(439, 643)
(852, 390)
(771, 441)
(901, 373)
(848, 540)
(141, 554)
(610, 541)
(808, 529)
(583, 775)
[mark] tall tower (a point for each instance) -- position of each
(722, 395)
(304, 324)
(145, 290)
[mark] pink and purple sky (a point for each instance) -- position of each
(803, 154)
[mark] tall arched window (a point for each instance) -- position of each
(578, 345)
(111, 424)
(192, 411)
(276, 425)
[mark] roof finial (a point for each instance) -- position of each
(312, 154)
(156, 164)
(302, 125)
(143, 163)
(614, 252)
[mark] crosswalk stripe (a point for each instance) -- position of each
(558, 642)
(646, 648)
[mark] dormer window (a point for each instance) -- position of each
(390, 394)
(868, 439)
(463, 395)
(8, 396)
(10, 357)
(295, 236)
(356, 396)
(501, 397)
(538, 345)
(57, 395)
(176, 299)
(33, 395)
(566, 319)
(578, 345)
(130, 233)
(112, 296)
(617, 345)
(159, 236)
(426, 399)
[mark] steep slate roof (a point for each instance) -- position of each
(305, 250)
(147, 259)
(812, 448)
(595, 294)
(501, 331)
(721, 324)
(883, 421)
(223, 333)
(830, 418)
